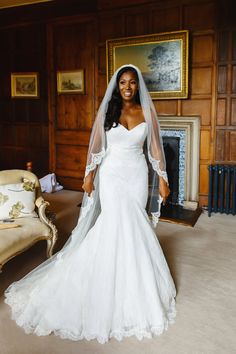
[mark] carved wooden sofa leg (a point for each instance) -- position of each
(42, 205)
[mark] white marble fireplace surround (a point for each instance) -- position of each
(189, 129)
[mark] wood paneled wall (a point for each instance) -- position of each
(225, 148)
(23, 122)
(72, 46)
(79, 42)
(172, 16)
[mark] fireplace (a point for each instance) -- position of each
(181, 140)
(171, 149)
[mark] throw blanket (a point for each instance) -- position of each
(49, 183)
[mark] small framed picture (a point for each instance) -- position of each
(70, 81)
(24, 85)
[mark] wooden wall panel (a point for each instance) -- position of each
(69, 159)
(166, 107)
(205, 153)
(223, 44)
(201, 81)
(107, 4)
(102, 59)
(6, 105)
(233, 78)
(70, 165)
(137, 23)
(222, 79)
(202, 48)
(102, 84)
(7, 135)
(220, 145)
(111, 26)
(201, 100)
(204, 180)
(73, 115)
(233, 44)
(7, 155)
(23, 122)
(22, 135)
(225, 148)
(73, 111)
(233, 111)
(221, 112)
(200, 15)
(198, 107)
(232, 145)
(165, 19)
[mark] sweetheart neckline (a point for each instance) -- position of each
(129, 130)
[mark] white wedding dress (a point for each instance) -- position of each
(117, 283)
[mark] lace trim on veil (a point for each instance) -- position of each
(96, 160)
(156, 215)
(156, 167)
(89, 201)
(85, 209)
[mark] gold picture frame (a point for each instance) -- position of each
(162, 59)
(25, 85)
(70, 81)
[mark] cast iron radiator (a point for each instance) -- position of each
(222, 189)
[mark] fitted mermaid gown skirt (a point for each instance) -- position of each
(117, 283)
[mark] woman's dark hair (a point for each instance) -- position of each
(115, 104)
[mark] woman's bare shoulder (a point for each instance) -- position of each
(139, 111)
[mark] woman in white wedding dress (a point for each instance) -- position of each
(111, 279)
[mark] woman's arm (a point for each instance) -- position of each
(88, 185)
(163, 189)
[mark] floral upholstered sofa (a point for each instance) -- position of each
(23, 220)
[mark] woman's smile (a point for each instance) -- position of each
(128, 86)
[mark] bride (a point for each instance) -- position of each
(111, 278)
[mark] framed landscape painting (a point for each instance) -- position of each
(24, 85)
(162, 59)
(70, 81)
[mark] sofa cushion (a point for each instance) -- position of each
(15, 240)
(17, 200)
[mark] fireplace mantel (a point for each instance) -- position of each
(191, 126)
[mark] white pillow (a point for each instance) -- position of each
(17, 200)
